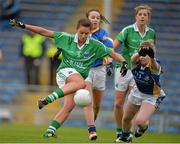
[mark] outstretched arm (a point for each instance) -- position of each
(119, 58)
(36, 29)
(40, 30)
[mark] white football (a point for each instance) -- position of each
(82, 98)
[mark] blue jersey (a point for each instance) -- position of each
(147, 82)
(102, 36)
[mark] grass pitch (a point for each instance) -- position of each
(33, 134)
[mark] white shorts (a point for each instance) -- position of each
(97, 77)
(137, 98)
(63, 74)
(122, 83)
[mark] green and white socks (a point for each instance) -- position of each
(53, 126)
(55, 95)
(118, 132)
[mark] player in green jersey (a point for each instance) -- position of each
(79, 51)
(131, 37)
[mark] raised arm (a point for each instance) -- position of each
(134, 59)
(36, 29)
(143, 52)
(155, 65)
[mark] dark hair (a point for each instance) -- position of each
(103, 19)
(84, 22)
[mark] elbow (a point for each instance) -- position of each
(132, 60)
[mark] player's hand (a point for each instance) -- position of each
(14, 22)
(146, 51)
(143, 51)
(109, 69)
(150, 53)
(124, 68)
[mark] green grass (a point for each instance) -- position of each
(33, 134)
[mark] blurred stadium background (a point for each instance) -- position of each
(18, 100)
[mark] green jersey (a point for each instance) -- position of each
(131, 38)
(79, 58)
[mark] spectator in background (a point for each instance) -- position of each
(1, 55)
(146, 95)
(53, 62)
(131, 36)
(10, 8)
(31, 53)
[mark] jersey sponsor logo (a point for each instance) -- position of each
(86, 54)
(134, 40)
(147, 78)
(74, 63)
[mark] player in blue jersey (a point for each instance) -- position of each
(97, 75)
(146, 94)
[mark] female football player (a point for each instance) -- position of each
(146, 94)
(97, 75)
(79, 52)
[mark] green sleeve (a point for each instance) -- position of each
(57, 38)
(103, 51)
(61, 39)
(122, 35)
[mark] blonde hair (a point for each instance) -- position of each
(149, 43)
(143, 6)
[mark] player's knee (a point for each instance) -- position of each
(126, 118)
(139, 121)
(118, 106)
(119, 101)
(81, 85)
